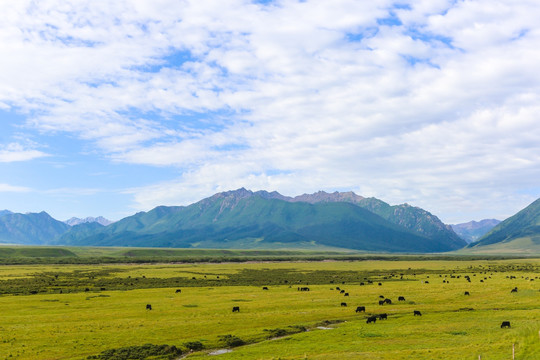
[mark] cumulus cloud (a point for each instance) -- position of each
(427, 102)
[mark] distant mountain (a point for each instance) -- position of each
(474, 230)
(523, 225)
(30, 229)
(5, 212)
(77, 221)
(81, 230)
(243, 218)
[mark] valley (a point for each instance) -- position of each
(93, 311)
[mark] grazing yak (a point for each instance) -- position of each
(148, 307)
(505, 324)
(236, 309)
(387, 301)
(371, 319)
(265, 287)
(178, 291)
(383, 316)
(346, 294)
(514, 290)
(343, 304)
(417, 313)
(381, 302)
(360, 309)
(467, 293)
(401, 298)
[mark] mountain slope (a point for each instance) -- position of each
(30, 229)
(474, 230)
(524, 224)
(263, 219)
(412, 218)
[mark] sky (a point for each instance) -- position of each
(114, 107)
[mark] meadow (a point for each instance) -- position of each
(52, 311)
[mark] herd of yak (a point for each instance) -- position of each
(371, 318)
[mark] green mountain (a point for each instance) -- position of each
(412, 218)
(32, 228)
(525, 225)
(242, 218)
(474, 230)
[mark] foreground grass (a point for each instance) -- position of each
(78, 324)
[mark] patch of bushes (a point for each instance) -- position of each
(231, 340)
(289, 330)
(140, 353)
(194, 345)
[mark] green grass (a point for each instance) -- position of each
(528, 246)
(78, 324)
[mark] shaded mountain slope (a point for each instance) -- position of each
(412, 218)
(31, 229)
(524, 224)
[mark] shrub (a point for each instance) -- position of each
(231, 340)
(140, 353)
(194, 345)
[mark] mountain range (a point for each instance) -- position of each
(474, 230)
(246, 219)
(77, 221)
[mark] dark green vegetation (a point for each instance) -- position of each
(20, 255)
(243, 219)
(26, 254)
(523, 225)
(474, 230)
(140, 352)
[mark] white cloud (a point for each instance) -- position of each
(435, 109)
(13, 189)
(16, 152)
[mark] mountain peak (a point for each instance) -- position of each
(474, 230)
(77, 221)
(5, 212)
(323, 196)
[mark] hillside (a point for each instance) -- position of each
(32, 228)
(412, 218)
(522, 226)
(245, 219)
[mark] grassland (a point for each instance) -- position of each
(75, 311)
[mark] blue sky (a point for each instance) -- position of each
(109, 108)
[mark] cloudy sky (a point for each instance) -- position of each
(112, 107)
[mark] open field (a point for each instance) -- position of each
(76, 311)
